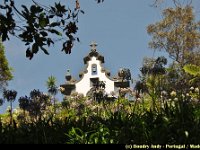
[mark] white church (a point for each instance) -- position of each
(93, 72)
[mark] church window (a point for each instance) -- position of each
(94, 69)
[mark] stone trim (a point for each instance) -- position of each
(68, 88)
(95, 54)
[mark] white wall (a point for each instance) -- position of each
(83, 86)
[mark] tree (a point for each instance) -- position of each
(37, 104)
(1, 101)
(154, 66)
(52, 89)
(5, 70)
(39, 24)
(151, 81)
(24, 104)
(125, 74)
(176, 2)
(99, 90)
(10, 96)
(177, 34)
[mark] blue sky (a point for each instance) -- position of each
(119, 28)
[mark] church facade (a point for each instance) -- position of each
(93, 73)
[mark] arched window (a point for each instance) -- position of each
(94, 69)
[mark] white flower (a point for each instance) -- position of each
(88, 102)
(73, 104)
(173, 93)
(175, 99)
(186, 134)
(196, 90)
(93, 107)
(15, 111)
(163, 93)
(192, 88)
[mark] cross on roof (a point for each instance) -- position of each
(93, 46)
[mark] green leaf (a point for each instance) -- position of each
(33, 9)
(82, 11)
(60, 8)
(29, 54)
(53, 24)
(35, 48)
(25, 8)
(192, 69)
(42, 22)
(55, 31)
(49, 42)
(44, 33)
(44, 50)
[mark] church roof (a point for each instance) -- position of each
(93, 53)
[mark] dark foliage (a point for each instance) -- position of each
(157, 68)
(125, 74)
(100, 1)
(38, 102)
(1, 101)
(24, 102)
(40, 23)
(10, 95)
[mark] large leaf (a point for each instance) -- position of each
(192, 69)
